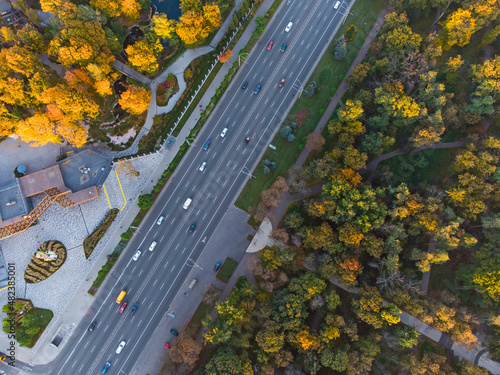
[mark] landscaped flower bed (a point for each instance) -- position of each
(38, 269)
(166, 89)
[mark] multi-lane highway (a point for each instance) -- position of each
(153, 280)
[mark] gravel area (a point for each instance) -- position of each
(70, 226)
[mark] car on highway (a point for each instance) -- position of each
(282, 82)
(192, 228)
(270, 45)
(160, 220)
(337, 4)
(187, 203)
(223, 133)
(247, 139)
(174, 332)
(257, 89)
(217, 265)
(152, 246)
(92, 326)
(120, 347)
(289, 26)
(283, 47)
(105, 368)
(167, 345)
(123, 307)
(202, 166)
(134, 308)
(244, 86)
(207, 145)
(137, 255)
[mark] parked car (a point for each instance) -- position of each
(289, 26)
(270, 45)
(244, 86)
(223, 133)
(152, 246)
(160, 220)
(282, 82)
(120, 347)
(92, 326)
(167, 345)
(123, 307)
(105, 368)
(257, 89)
(132, 310)
(192, 228)
(202, 166)
(137, 255)
(217, 265)
(174, 332)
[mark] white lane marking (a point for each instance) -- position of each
(162, 285)
(140, 273)
(110, 306)
(255, 75)
(237, 104)
(256, 117)
(266, 101)
(224, 184)
(165, 266)
(218, 179)
(178, 199)
(93, 349)
(86, 345)
(183, 250)
(187, 183)
(237, 148)
(204, 216)
(173, 268)
(310, 29)
(271, 63)
(173, 221)
(235, 167)
(208, 195)
(293, 57)
(74, 363)
(213, 156)
(138, 324)
(197, 213)
(228, 120)
(215, 198)
(264, 119)
(105, 329)
(155, 282)
(229, 162)
(177, 246)
(80, 369)
(242, 109)
(131, 320)
(284, 71)
(194, 188)
(151, 304)
(161, 239)
(299, 60)
(133, 269)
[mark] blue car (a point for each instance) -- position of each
(244, 86)
(132, 311)
(105, 368)
(207, 145)
(257, 89)
(217, 265)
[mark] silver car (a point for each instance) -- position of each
(289, 26)
(120, 347)
(223, 133)
(137, 255)
(152, 246)
(202, 166)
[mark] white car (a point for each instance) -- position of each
(120, 347)
(337, 4)
(152, 246)
(202, 166)
(223, 133)
(160, 220)
(137, 255)
(289, 26)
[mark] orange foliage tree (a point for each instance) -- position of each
(226, 56)
(135, 100)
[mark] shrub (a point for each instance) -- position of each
(91, 241)
(145, 201)
(38, 270)
(350, 33)
(302, 117)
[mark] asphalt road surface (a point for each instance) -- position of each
(153, 280)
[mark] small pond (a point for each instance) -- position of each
(169, 7)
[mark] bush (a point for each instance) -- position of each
(91, 241)
(145, 201)
(38, 270)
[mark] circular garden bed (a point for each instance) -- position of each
(38, 269)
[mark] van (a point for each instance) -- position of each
(121, 296)
(193, 283)
(187, 203)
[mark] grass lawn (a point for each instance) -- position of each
(328, 75)
(227, 270)
(201, 312)
(45, 316)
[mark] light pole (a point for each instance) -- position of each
(241, 57)
(247, 173)
(192, 265)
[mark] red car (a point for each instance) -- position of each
(124, 306)
(282, 82)
(167, 345)
(270, 45)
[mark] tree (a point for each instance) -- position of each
(359, 74)
(276, 257)
(320, 237)
(192, 28)
(226, 56)
(108, 7)
(307, 285)
(270, 338)
(350, 234)
(367, 306)
(458, 28)
(315, 142)
(225, 362)
(211, 13)
(185, 350)
(130, 9)
(293, 220)
(163, 27)
(401, 37)
(353, 111)
(289, 310)
(322, 168)
(190, 5)
(144, 55)
(340, 48)
(145, 201)
(135, 99)
(336, 359)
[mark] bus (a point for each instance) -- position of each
(121, 296)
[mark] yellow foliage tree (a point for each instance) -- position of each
(163, 27)
(135, 100)
(211, 13)
(109, 8)
(38, 130)
(353, 111)
(307, 340)
(130, 9)
(192, 28)
(143, 55)
(350, 234)
(458, 28)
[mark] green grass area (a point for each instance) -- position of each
(429, 166)
(227, 270)
(328, 75)
(44, 318)
(201, 312)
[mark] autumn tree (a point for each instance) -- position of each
(163, 27)
(192, 28)
(144, 55)
(458, 28)
(315, 142)
(185, 350)
(135, 99)
(270, 339)
(226, 56)
(367, 306)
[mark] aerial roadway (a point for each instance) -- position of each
(251, 116)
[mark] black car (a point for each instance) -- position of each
(132, 311)
(244, 86)
(92, 326)
(192, 228)
(174, 332)
(247, 139)
(217, 265)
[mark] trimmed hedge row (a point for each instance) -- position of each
(91, 241)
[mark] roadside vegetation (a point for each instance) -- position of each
(91, 241)
(38, 269)
(227, 269)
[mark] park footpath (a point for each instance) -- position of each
(80, 304)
